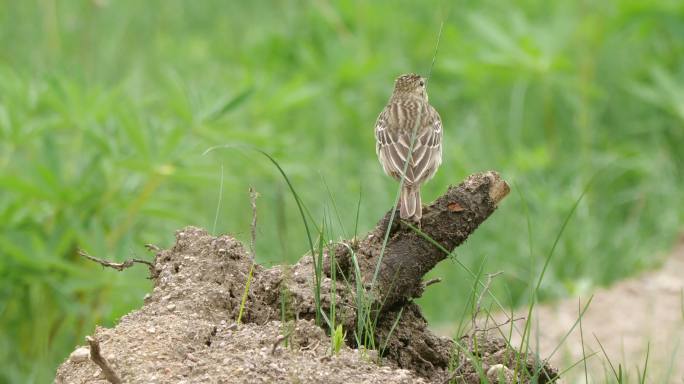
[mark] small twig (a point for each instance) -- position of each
(496, 326)
(152, 248)
(478, 306)
(454, 374)
(253, 195)
(432, 281)
(429, 363)
(101, 362)
(309, 347)
(277, 342)
(282, 338)
(118, 266)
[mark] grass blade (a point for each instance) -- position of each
(218, 204)
(618, 377)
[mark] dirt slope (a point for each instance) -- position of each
(185, 331)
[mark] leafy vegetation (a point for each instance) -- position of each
(107, 107)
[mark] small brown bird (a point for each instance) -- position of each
(408, 136)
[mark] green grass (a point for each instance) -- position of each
(105, 111)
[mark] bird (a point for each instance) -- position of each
(408, 135)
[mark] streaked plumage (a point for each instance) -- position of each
(408, 116)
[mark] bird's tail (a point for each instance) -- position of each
(409, 203)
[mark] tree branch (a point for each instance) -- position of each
(118, 266)
(98, 359)
(411, 252)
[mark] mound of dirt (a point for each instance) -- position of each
(186, 331)
(178, 349)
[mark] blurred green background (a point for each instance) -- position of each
(107, 106)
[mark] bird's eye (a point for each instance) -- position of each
(422, 83)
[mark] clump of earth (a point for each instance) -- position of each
(186, 331)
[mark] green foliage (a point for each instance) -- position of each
(107, 107)
(338, 339)
(364, 335)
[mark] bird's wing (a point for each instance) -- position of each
(392, 147)
(427, 149)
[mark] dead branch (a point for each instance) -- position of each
(101, 362)
(411, 252)
(118, 266)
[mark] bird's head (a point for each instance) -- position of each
(410, 85)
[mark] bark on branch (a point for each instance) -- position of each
(411, 252)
